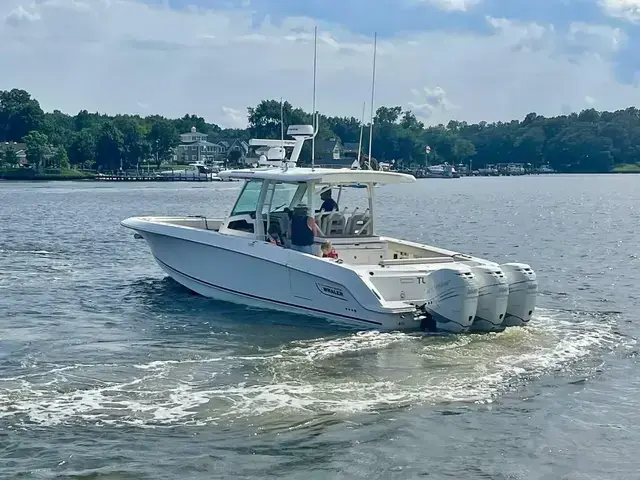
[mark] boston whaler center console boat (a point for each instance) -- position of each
(376, 281)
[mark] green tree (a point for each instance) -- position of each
(463, 150)
(387, 115)
(264, 119)
(82, 149)
(109, 148)
(346, 128)
(184, 125)
(10, 156)
(19, 115)
(84, 119)
(162, 139)
(37, 148)
(60, 158)
(136, 147)
(411, 123)
(587, 141)
(59, 128)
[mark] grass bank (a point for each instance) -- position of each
(46, 174)
(627, 168)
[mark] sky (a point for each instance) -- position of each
(468, 60)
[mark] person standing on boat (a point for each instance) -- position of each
(328, 203)
(303, 230)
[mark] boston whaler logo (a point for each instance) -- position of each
(438, 286)
(330, 291)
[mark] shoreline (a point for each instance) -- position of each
(88, 177)
(28, 174)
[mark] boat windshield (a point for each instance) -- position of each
(280, 195)
(248, 199)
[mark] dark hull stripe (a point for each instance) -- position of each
(255, 297)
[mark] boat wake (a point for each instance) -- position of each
(359, 372)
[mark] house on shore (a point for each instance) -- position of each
(333, 153)
(19, 149)
(195, 147)
(234, 151)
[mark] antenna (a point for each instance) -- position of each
(281, 121)
(373, 88)
(282, 152)
(313, 108)
(361, 132)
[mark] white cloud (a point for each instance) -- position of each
(596, 37)
(452, 5)
(20, 16)
(625, 9)
(431, 103)
(121, 56)
(234, 118)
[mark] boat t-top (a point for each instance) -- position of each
(369, 280)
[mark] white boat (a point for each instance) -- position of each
(215, 168)
(442, 171)
(377, 282)
(194, 171)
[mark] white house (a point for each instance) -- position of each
(193, 136)
(194, 147)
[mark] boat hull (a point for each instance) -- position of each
(449, 295)
(228, 274)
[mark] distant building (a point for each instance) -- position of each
(193, 136)
(20, 150)
(194, 147)
(236, 151)
(328, 150)
(332, 153)
(350, 151)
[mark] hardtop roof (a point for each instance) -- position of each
(335, 176)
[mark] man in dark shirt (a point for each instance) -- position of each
(303, 230)
(328, 203)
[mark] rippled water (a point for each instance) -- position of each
(110, 370)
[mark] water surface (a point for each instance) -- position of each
(110, 370)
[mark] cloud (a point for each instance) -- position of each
(118, 56)
(234, 118)
(432, 102)
(624, 9)
(20, 16)
(451, 5)
(596, 38)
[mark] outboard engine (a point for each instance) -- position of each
(523, 293)
(451, 299)
(493, 298)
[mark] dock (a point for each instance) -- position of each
(154, 178)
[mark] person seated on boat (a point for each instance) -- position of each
(274, 235)
(303, 230)
(328, 203)
(328, 251)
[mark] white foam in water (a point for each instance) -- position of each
(359, 372)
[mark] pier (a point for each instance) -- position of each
(150, 177)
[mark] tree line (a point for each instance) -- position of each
(589, 141)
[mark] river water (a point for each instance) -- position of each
(110, 370)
